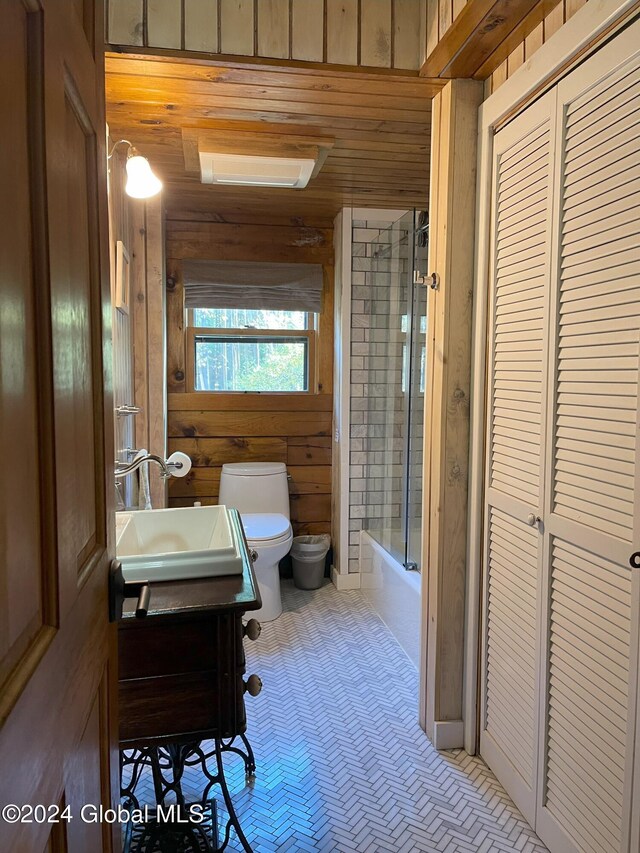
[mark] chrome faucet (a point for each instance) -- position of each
(166, 468)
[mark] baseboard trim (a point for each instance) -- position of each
(448, 734)
(345, 581)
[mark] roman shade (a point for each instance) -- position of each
(248, 284)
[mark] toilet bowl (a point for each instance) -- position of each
(260, 493)
(270, 536)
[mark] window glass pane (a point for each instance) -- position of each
(248, 318)
(251, 364)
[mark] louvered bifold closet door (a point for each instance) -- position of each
(591, 513)
(519, 290)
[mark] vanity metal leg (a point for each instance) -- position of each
(227, 745)
(167, 764)
(233, 818)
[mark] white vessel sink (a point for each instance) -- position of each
(177, 544)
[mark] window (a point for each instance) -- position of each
(251, 350)
(250, 318)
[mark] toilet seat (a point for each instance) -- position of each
(266, 528)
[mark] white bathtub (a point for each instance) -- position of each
(393, 592)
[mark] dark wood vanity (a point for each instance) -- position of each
(181, 682)
(181, 668)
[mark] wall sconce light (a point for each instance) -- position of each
(141, 182)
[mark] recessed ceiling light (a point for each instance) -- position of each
(255, 171)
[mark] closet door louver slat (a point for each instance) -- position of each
(520, 273)
(591, 513)
(561, 605)
(579, 730)
(520, 270)
(578, 491)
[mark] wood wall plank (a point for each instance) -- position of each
(245, 242)
(370, 33)
(201, 25)
(458, 6)
(534, 40)
(126, 22)
(307, 30)
(516, 59)
(499, 76)
(246, 402)
(156, 336)
(432, 23)
(406, 33)
(311, 528)
(164, 24)
(553, 21)
(273, 28)
(278, 423)
(208, 452)
(205, 500)
(445, 17)
(572, 6)
(306, 508)
(342, 32)
(324, 352)
(139, 309)
(375, 33)
(308, 450)
(237, 27)
(231, 251)
(176, 366)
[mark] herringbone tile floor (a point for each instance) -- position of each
(342, 762)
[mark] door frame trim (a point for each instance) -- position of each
(579, 38)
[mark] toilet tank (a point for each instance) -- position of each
(255, 487)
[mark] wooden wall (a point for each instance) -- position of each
(121, 229)
(138, 335)
(218, 428)
(148, 310)
(440, 16)
(524, 48)
(370, 33)
(489, 39)
(448, 384)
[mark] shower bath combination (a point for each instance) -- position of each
(392, 450)
(397, 376)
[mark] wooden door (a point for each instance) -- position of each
(519, 314)
(57, 732)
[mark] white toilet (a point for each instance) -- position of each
(260, 492)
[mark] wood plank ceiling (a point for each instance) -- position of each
(380, 124)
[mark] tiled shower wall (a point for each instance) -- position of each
(376, 398)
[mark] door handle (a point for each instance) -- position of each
(127, 410)
(634, 560)
(119, 589)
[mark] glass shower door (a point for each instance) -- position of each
(395, 405)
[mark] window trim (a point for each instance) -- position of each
(193, 332)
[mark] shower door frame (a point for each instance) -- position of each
(415, 404)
